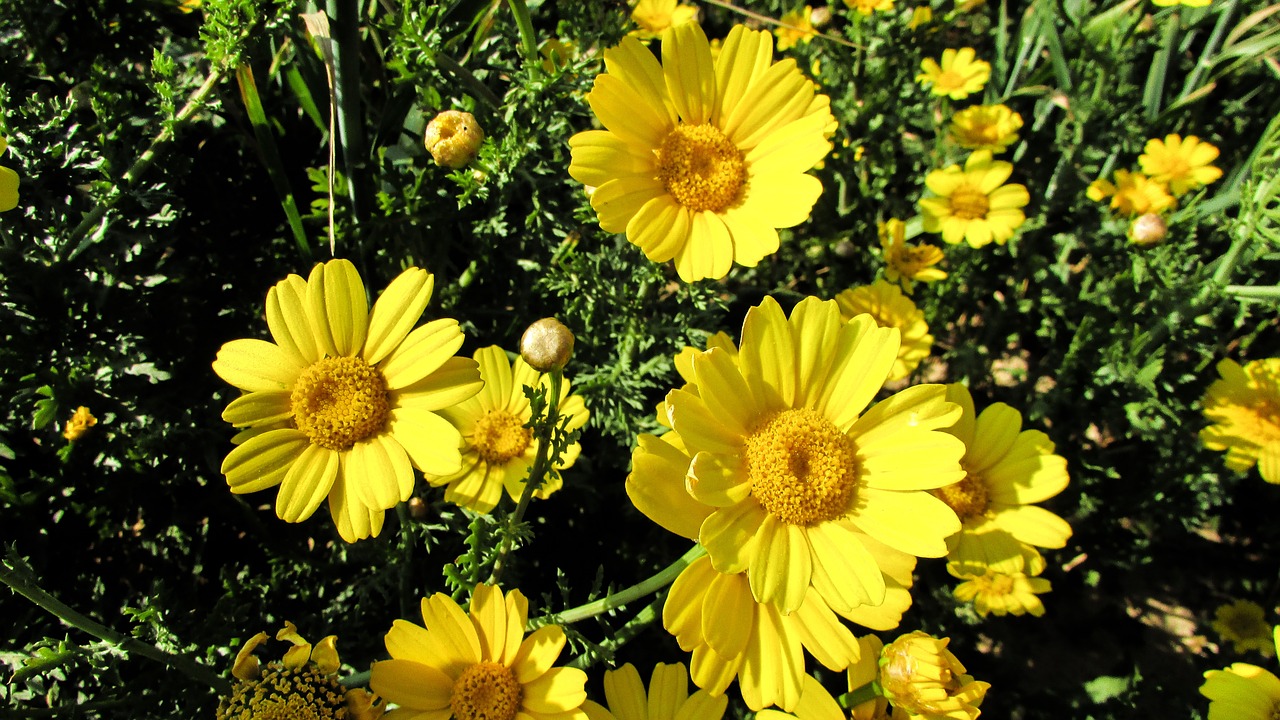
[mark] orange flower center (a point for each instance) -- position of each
(969, 203)
(803, 470)
(968, 497)
(485, 691)
(701, 168)
(339, 401)
(500, 436)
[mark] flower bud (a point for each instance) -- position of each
(418, 508)
(1148, 229)
(921, 676)
(453, 138)
(546, 345)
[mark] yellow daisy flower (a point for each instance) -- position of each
(997, 593)
(652, 17)
(8, 183)
(1243, 624)
(1181, 164)
(921, 15)
(344, 403)
(907, 264)
(922, 677)
(1243, 406)
(986, 127)
(867, 7)
(885, 302)
(1132, 194)
(974, 205)
(796, 469)
(796, 28)
(701, 161)
(79, 424)
(816, 703)
(667, 697)
(474, 666)
(1243, 691)
(497, 448)
(1007, 469)
(958, 75)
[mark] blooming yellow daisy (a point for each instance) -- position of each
(974, 205)
(1244, 407)
(958, 75)
(79, 424)
(796, 28)
(795, 468)
(886, 304)
(344, 403)
(497, 448)
(667, 697)
(986, 127)
(652, 17)
(701, 161)
(997, 593)
(922, 677)
(1132, 194)
(1243, 691)
(474, 666)
(8, 183)
(907, 264)
(1181, 164)
(867, 7)
(1243, 624)
(1007, 469)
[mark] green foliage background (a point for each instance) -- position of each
(122, 273)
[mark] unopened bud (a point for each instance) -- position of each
(417, 508)
(1148, 229)
(453, 138)
(546, 345)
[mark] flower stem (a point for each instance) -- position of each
(624, 634)
(658, 581)
(528, 40)
(854, 698)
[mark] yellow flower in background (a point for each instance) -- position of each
(79, 424)
(557, 54)
(920, 676)
(867, 7)
(345, 402)
(907, 264)
(1181, 164)
(1244, 407)
(1007, 470)
(997, 593)
(8, 183)
(1243, 691)
(667, 697)
(974, 205)
(1188, 3)
(958, 76)
(1243, 623)
(920, 16)
(884, 302)
(497, 448)
(796, 28)
(652, 17)
(986, 127)
(478, 665)
(701, 161)
(1132, 194)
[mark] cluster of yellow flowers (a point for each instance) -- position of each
(1171, 168)
(1243, 691)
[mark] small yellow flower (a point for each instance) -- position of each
(958, 76)
(997, 593)
(1243, 624)
(189, 6)
(557, 54)
(1181, 164)
(1132, 194)
(885, 303)
(8, 184)
(905, 263)
(867, 7)
(1244, 407)
(1243, 691)
(667, 697)
(796, 28)
(922, 15)
(921, 676)
(652, 17)
(453, 138)
(986, 127)
(1188, 3)
(80, 422)
(974, 205)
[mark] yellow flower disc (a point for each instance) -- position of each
(500, 436)
(969, 203)
(284, 694)
(339, 401)
(968, 497)
(803, 470)
(701, 168)
(485, 691)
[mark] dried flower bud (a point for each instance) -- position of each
(417, 508)
(546, 345)
(1148, 229)
(453, 138)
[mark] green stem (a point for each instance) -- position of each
(643, 619)
(528, 41)
(1211, 47)
(854, 698)
(1254, 292)
(658, 581)
(1228, 262)
(346, 90)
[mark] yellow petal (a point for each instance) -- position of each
(729, 535)
(454, 382)
(728, 614)
(353, 518)
(689, 74)
(845, 574)
(288, 321)
(489, 617)
(256, 366)
(307, 483)
(656, 485)
(495, 370)
(338, 307)
(744, 56)
(822, 634)
(708, 253)
(455, 643)
(661, 227)
(559, 690)
(537, 654)
(700, 429)
(717, 480)
(625, 693)
(263, 460)
(422, 353)
(770, 368)
(620, 200)
(725, 392)
(411, 685)
(781, 565)
(379, 472)
(258, 408)
(396, 312)
(913, 522)
(668, 690)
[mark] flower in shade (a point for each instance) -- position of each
(958, 75)
(907, 264)
(974, 205)
(799, 470)
(796, 28)
(1243, 623)
(1007, 469)
(920, 676)
(345, 402)
(1243, 691)
(478, 665)
(700, 161)
(921, 15)
(79, 424)
(1244, 407)
(867, 7)
(8, 183)
(885, 303)
(497, 447)
(1181, 164)
(302, 684)
(652, 17)
(1132, 194)
(997, 593)
(667, 697)
(986, 127)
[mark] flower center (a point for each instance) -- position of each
(968, 498)
(803, 470)
(500, 436)
(283, 694)
(950, 80)
(701, 168)
(485, 691)
(969, 203)
(339, 401)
